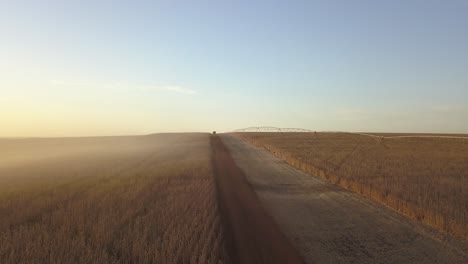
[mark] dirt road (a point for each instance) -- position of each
(331, 225)
(252, 235)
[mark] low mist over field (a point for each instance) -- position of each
(147, 199)
(234, 132)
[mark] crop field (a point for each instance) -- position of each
(141, 199)
(201, 198)
(423, 178)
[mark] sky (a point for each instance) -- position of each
(84, 68)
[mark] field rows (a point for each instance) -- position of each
(123, 200)
(425, 179)
(174, 198)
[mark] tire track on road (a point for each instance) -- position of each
(252, 235)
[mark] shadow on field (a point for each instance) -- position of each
(252, 235)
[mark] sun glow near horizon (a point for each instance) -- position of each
(88, 68)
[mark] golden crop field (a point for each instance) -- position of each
(423, 178)
(142, 199)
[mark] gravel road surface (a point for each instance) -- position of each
(328, 224)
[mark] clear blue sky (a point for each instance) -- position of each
(132, 67)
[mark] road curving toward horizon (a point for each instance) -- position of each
(328, 224)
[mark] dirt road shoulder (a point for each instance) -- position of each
(252, 235)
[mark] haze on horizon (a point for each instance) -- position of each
(83, 68)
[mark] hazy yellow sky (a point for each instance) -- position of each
(83, 68)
